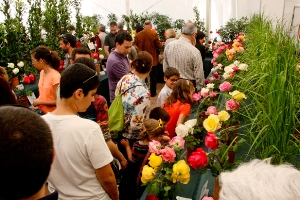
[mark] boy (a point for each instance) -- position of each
(170, 77)
(81, 168)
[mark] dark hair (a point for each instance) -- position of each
(80, 50)
(121, 36)
(51, 57)
(181, 91)
(6, 94)
(26, 152)
(102, 28)
(171, 71)
(71, 27)
(113, 24)
(138, 28)
(153, 128)
(77, 76)
(159, 113)
(143, 62)
(200, 35)
(68, 38)
(147, 22)
(87, 62)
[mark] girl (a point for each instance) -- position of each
(153, 130)
(178, 104)
(47, 62)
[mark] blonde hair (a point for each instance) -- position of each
(170, 33)
(153, 128)
(3, 73)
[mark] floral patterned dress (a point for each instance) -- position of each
(136, 103)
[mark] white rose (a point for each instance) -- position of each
(100, 49)
(228, 69)
(101, 56)
(10, 65)
(236, 63)
(20, 64)
(226, 76)
(191, 123)
(15, 70)
(243, 67)
(210, 86)
(182, 130)
(204, 91)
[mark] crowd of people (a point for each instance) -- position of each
(69, 132)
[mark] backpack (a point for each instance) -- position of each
(116, 114)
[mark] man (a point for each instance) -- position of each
(26, 154)
(102, 35)
(184, 56)
(81, 168)
(79, 53)
(120, 26)
(67, 44)
(109, 41)
(118, 63)
(147, 40)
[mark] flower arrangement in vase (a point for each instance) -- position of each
(165, 169)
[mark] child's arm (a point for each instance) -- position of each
(125, 143)
(181, 119)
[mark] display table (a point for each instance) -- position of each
(102, 89)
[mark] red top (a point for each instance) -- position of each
(174, 111)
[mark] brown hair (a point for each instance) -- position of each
(181, 91)
(3, 73)
(153, 128)
(80, 50)
(6, 94)
(170, 33)
(51, 57)
(171, 71)
(143, 62)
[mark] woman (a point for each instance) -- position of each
(170, 36)
(47, 62)
(136, 101)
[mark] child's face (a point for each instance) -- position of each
(171, 81)
(157, 138)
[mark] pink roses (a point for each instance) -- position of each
(211, 141)
(232, 105)
(168, 154)
(211, 110)
(225, 87)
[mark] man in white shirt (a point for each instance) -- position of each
(81, 168)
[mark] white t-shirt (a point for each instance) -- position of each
(80, 149)
(163, 95)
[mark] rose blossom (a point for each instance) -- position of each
(168, 154)
(211, 110)
(226, 75)
(212, 123)
(15, 70)
(225, 87)
(204, 92)
(191, 123)
(206, 82)
(26, 79)
(211, 141)
(151, 197)
(20, 64)
(154, 146)
(212, 94)
(177, 141)
(228, 69)
(101, 57)
(236, 63)
(10, 65)
(211, 79)
(216, 75)
(243, 67)
(196, 97)
(198, 158)
(210, 86)
(182, 130)
(232, 105)
(213, 70)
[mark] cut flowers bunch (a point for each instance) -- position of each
(15, 70)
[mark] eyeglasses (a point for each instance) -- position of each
(173, 80)
(90, 78)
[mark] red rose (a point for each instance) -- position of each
(31, 77)
(198, 158)
(211, 141)
(26, 79)
(218, 32)
(206, 82)
(95, 55)
(151, 197)
(216, 75)
(209, 41)
(78, 44)
(235, 69)
(210, 32)
(232, 75)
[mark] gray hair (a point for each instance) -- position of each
(260, 180)
(120, 25)
(189, 28)
(102, 28)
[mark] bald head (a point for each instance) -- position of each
(147, 24)
(189, 29)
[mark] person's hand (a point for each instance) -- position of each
(123, 163)
(36, 102)
(125, 142)
(166, 138)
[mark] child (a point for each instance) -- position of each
(178, 104)
(170, 77)
(154, 130)
(159, 113)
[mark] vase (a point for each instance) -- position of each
(97, 68)
(14, 81)
(23, 100)
(217, 189)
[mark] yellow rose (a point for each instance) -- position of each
(237, 95)
(227, 52)
(223, 116)
(181, 172)
(154, 160)
(147, 174)
(212, 123)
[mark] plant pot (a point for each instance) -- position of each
(97, 68)
(14, 81)
(217, 189)
(23, 100)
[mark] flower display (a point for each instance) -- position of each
(212, 123)
(223, 116)
(155, 160)
(181, 172)
(154, 146)
(186, 131)
(211, 110)
(182, 130)
(168, 154)
(178, 141)
(232, 105)
(147, 174)
(198, 159)
(211, 141)
(237, 95)
(225, 86)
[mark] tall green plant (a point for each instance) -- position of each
(232, 29)
(198, 21)
(112, 18)
(272, 86)
(34, 22)
(162, 22)
(64, 15)
(79, 22)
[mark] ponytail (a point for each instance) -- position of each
(51, 57)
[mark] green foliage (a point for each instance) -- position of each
(162, 22)
(91, 23)
(232, 29)
(178, 24)
(79, 21)
(198, 21)
(272, 85)
(34, 23)
(133, 19)
(112, 18)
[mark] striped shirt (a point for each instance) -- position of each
(186, 58)
(139, 151)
